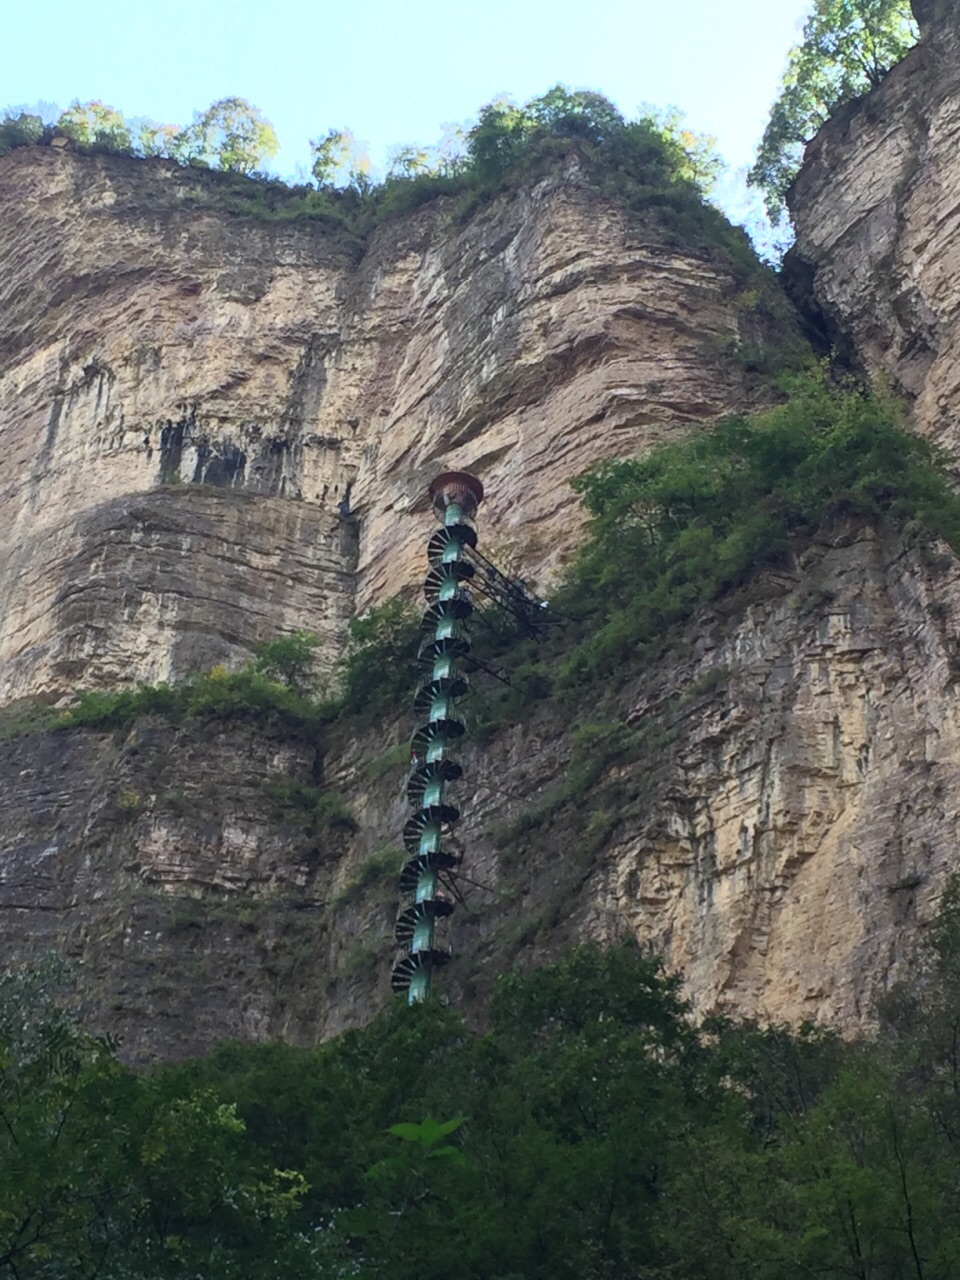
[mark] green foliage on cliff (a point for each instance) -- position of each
(848, 47)
(95, 126)
(595, 1130)
(673, 530)
(289, 660)
(230, 134)
(280, 688)
(669, 534)
(690, 527)
(20, 129)
(312, 808)
(656, 167)
(376, 671)
(652, 161)
(220, 694)
(508, 138)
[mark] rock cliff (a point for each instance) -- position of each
(155, 342)
(877, 209)
(187, 396)
(772, 806)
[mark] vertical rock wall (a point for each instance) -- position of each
(149, 346)
(877, 213)
(155, 344)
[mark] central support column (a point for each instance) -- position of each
(455, 496)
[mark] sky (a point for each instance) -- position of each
(394, 72)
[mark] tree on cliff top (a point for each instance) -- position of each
(508, 137)
(231, 134)
(22, 128)
(848, 47)
(94, 124)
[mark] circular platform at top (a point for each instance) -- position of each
(458, 487)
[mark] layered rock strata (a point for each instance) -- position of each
(877, 213)
(154, 341)
(771, 805)
(776, 817)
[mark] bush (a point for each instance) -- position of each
(377, 667)
(247, 693)
(673, 530)
(290, 661)
(22, 130)
(280, 687)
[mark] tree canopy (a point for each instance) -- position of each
(21, 129)
(231, 134)
(848, 46)
(596, 1131)
(93, 124)
(107, 1174)
(506, 134)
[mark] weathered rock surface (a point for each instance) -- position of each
(777, 818)
(153, 341)
(772, 804)
(189, 899)
(877, 214)
(782, 811)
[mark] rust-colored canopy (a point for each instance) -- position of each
(456, 486)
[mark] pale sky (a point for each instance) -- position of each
(393, 71)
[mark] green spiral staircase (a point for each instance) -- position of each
(426, 835)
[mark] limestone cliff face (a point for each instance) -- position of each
(146, 343)
(778, 815)
(187, 396)
(790, 862)
(877, 211)
(154, 344)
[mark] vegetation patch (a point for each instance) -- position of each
(596, 1128)
(27, 715)
(673, 531)
(217, 694)
(378, 870)
(653, 165)
(377, 668)
(848, 47)
(311, 808)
